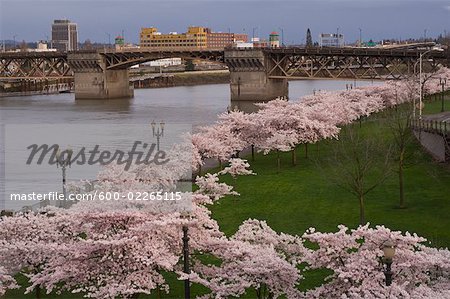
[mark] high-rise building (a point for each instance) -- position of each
(64, 35)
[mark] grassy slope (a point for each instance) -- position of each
(301, 196)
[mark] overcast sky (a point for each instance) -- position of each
(399, 19)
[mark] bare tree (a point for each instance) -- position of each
(398, 122)
(359, 164)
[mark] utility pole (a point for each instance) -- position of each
(282, 36)
(360, 37)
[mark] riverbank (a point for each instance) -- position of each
(181, 79)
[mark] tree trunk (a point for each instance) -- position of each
(400, 180)
(253, 152)
(200, 170)
(362, 218)
(294, 156)
(220, 164)
(278, 161)
(306, 150)
(38, 292)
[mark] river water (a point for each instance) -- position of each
(24, 120)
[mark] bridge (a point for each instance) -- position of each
(256, 74)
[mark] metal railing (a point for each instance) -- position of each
(431, 126)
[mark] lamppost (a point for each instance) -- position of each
(187, 285)
(109, 39)
(253, 35)
(63, 160)
(389, 253)
(443, 82)
(282, 36)
(158, 132)
(360, 37)
(420, 83)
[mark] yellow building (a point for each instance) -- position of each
(194, 38)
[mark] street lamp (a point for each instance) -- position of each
(254, 29)
(443, 82)
(282, 36)
(158, 132)
(420, 83)
(389, 253)
(360, 37)
(187, 284)
(64, 160)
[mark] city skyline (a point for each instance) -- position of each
(385, 20)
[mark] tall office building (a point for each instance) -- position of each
(64, 35)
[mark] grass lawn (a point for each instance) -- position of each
(299, 197)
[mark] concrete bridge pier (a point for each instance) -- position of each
(94, 81)
(249, 76)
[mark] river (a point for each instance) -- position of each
(34, 119)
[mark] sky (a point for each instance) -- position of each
(31, 20)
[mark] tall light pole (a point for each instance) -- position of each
(158, 132)
(337, 37)
(187, 284)
(443, 82)
(360, 37)
(420, 82)
(254, 29)
(64, 160)
(14, 38)
(282, 36)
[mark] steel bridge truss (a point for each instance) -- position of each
(34, 66)
(358, 64)
(121, 60)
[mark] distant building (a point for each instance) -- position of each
(240, 45)
(119, 42)
(42, 46)
(259, 43)
(221, 40)
(64, 35)
(274, 40)
(194, 38)
(331, 40)
(166, 62)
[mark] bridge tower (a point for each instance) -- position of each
(249, 69)
(94, 81)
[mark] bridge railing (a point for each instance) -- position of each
(431, 126)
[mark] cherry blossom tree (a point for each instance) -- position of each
(237, 167)
(355, 257)
(244, 266)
